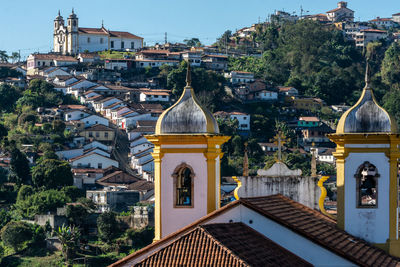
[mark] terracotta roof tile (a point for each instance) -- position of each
(233, 244)
(281, 209)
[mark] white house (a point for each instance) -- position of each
(288, 91)
(88, 57)
(100, 105)
(154, 95)
(241, 77)
(64, 80)
(396, 17)
(75, 115)
(94, 119)
(193, 57)
(140, 147)
(97, 151)
(266, 95)
(384, 22)
(341, 13)
(69, 154)
(53, 72)
(35, 61)
(97, 144)
(325, 155)
(93, 160)
(242, 118)
(369, 35)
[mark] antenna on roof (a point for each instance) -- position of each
(102, 23)
(188, 75)
(72, 10)
(59, 13)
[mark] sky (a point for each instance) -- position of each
(27, 25)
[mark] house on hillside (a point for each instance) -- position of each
(93, 160)
(341, 13)
(99, 132)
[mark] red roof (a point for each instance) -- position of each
(103, 31)
(373, 30)
(54, 57)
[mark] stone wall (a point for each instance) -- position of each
(142, 217)
(299, 188)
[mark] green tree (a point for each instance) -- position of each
(52, 173)
(390, 70)
(192, 42)
(15, 234)
(19, 168)
(4, 218)
(39, 203)
(3, 56)
(3, 175)
(15, 57)
(9, 96)
(106, 225)
(24, 192)
(69, 239)
(391, 102)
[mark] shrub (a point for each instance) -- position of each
(15, 234)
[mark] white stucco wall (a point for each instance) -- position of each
(371, 224)
(176, 218)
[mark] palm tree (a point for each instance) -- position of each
(69, 238)
(3, 56)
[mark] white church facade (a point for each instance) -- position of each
(72, 39)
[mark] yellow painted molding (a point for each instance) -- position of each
(323, 196)
(239, 185)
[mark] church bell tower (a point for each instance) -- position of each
(72, 36)
(187, 156)
(367, 168)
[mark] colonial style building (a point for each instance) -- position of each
(71, 39)
(272, 230)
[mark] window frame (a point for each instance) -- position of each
(358, 176)
(175, 175)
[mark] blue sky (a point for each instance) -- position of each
(28, 25)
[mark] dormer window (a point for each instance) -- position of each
(367, 186)
(183, 186)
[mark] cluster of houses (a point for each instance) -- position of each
(342, 17)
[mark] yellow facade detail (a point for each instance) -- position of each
(322, 197)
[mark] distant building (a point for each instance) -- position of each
(241, 77)
(71, 39)
(215, 62)
(396, 17)
(384, 22)
(36, 61)
(369, 35)
(281, 16)
(242, 118)
(308, 122)
(341, 13)
(113, 198)
(307, 103)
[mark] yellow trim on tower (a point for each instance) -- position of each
(322, 197)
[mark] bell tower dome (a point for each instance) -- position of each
(367, 185)
(187, 156)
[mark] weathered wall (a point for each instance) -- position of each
(299, 188)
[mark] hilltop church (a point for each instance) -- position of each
(72, 39)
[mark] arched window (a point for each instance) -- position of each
(183, 186)
(367, 185)
(74, 23)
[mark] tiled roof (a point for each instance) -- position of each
(141, 185)
(315, 119)
(233, 244)
(319, 229)
(300, 219)
(118, 177)
(103, 31)
(99, 127)
(373, 30)
(53, 57)
(78, 107)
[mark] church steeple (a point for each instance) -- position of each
(187, 154)
(366, 159)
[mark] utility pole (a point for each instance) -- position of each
(165, 37)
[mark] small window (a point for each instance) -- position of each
(81, 115)
(74, 23)
(97, 134)
(88, 39)
(99, 165)
(90, 134)
(132, 45)
(367, 186)
(122, 45)
(101, 40)
(89, 165)
(106, 134)
(112, 44)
